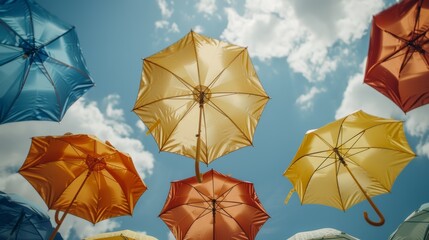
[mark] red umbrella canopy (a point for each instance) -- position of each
(220, 207)
(398, 59)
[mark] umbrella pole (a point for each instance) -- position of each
(214, 218)
(365, 214)
(197, 157)
(60, 221)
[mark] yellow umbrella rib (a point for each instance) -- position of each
(311, 155)
(214, 106)
(229, 64)
(178, 97)
(312, 174)
(223, 94)
(361, 132)
(187, 85)
(175, 127)
(196, 57)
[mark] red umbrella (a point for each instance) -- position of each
(398, 59)
(220, 207)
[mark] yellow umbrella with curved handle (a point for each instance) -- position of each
(350, 160)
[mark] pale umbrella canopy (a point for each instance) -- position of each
(323, 233)
(415, 226)
(121, 235)
(200, 98)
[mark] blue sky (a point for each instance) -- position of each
(310, 58)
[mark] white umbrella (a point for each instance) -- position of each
(323, 233)
(415, 226)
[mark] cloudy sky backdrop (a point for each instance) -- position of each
(310, 56)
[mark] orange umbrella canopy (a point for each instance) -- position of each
(82, 175)
(220, 207)
(200, 98)
(398, 58)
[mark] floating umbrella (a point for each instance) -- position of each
(200, 98)
(323, 233)
(81, 175)
(398, 57)
(220, 207)
(415, 226)
(21, 220)
(42, 69)
(349, 160)
(121, 235)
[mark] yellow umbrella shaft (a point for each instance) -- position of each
(197, 157)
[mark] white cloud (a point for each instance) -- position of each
(166, 11)
(82, 117)
(361, 96)
(174, 28)
(198, 29)
(140, 125)
(303, 31)
(418, 121)
(208, 7)
(162, 24)
(305, 101)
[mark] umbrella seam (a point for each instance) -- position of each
(186, 84)
(24, 78)
(215, 79)
(215, 107)
(177, 124)
(196, 56)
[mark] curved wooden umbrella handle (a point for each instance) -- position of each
(380, 215)
(365, 214)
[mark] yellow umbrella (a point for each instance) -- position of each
(200, 98)
(350, 160)
(121, 235)
(83, 176)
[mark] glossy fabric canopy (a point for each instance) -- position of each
(121, 235)
(21, 220)
(359, 150)
(42, 69)
(398, 57)
(323, 233)
(203, 89)
(57, 166)
(219, 208)
(415, 226)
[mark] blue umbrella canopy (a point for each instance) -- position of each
(42, 70)
(21, 220)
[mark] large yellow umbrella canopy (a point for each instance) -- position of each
(81, 175)
(200, 98)
(349, 160)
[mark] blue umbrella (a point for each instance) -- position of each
(22, 220)
(42, 70)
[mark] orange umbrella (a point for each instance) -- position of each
(83, 176)
(398, 59)
(220, 207)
